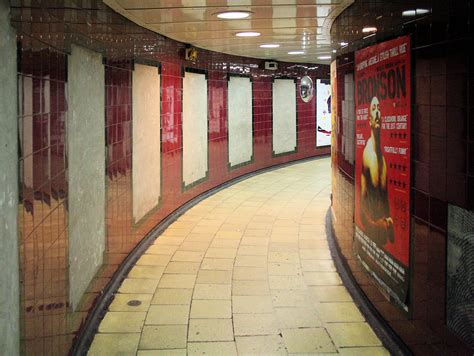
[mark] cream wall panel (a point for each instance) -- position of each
(240, 120)
(284, 116)
(146, 152)
(194, 128)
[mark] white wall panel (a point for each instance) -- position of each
(284, 116)
(240, 120)
(194, 128)
(146, 154)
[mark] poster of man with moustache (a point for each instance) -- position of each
(382, 165)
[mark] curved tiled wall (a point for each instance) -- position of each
(49, 320)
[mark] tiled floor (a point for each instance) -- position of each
(247, 271)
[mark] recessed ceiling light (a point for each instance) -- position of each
(414, 12)
(334, 51)
(269, 45)
(343, 44)
(369, 29)
(248, 34)
(296, 52)
(324, 57)
(233, 15)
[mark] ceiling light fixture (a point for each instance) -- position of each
(369, 29)
(344, 44)
(248, 34)
(324, 57)
(269, 45)
(296, 52)
(415, 12)
(233, 15)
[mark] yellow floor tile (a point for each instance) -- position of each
(330, 294)
(113, 322)
(139, 286)
(218, 264)
(167, 315)
(188, 256)
(315, 340)
(251, 261)
(210, 330)
(243, 304)
(290, 298)
(250, 274)
(287, 282)
(250, 288)
(212, 291)
(322, 278)
(162, 249)
(177, 281)
(149, 272)
(212, 348)
(214, 277)
(114, 344)
(182, 267)
(255, 324)
(213, 252)
(293, 318)
(175, 352)
(211, 309)
(284, 269)
(153, 260)
(318, 266)
(172, 296)
(159, 337)
(352, 334)
(260, 345)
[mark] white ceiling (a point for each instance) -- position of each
(294, 24)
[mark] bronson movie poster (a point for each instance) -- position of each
(382, 172)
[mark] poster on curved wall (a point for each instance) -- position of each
(323, 113)
(382, 166)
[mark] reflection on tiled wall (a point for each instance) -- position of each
(442, 162)
(42, 115)
(48, 324)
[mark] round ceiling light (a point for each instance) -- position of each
(269, 45)
(296, 52)
(248, 34)
(369, 29)
(233, 15)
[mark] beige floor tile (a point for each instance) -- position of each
(167, 315)
(153, 260)
(293, 318)
(283, 247)
(283, 257)
(210, 330)
(221, 252)
(255, 324)
(339, 312)
(183, 267)
(114, 344)
(120, 302)
(177, 281)
(172, 296)
(214, 277)
(212, 348)
(364, 351)
(313, 244)
(261, 345)
(210, 222)
(149, 272)
(287, 282)
(251, 261)
(229, 235)
(322, 278)
(159, 337)
(175, 352)
(209, 230)
(315, 340)
(188, 256)
(318, 266)
(211, 309)
(139, 286)
(243, 304)
(352, 334)
(200, 238)
(253, 241)
(194, 246)
(330, 294)
(284, 269)
(233, 244)
(212, 291)
(250, 274)
(321, 228)
(162, 249)
(250, 288)
(315, 254)
(249, 232)
(253, 251)
(175, 231)
(113, 322)
(290, 298)
(168, 241)
(218, 264)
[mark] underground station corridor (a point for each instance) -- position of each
(236, 177)
(245, 271)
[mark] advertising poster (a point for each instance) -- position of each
(323, 113)
(382, 167)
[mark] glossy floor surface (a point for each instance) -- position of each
(247, 271)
